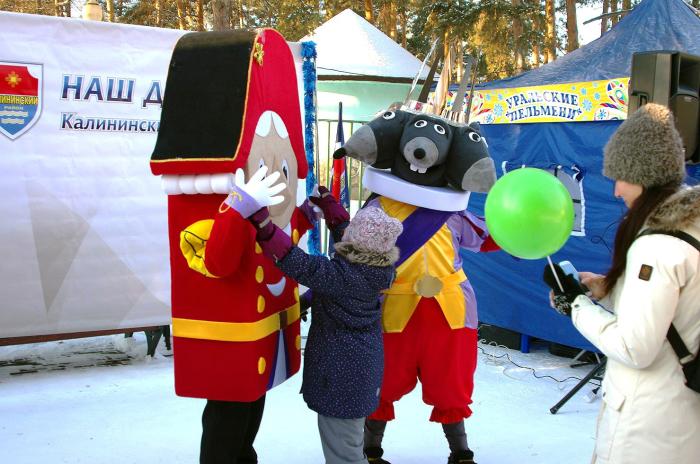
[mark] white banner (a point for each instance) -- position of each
(84, 222)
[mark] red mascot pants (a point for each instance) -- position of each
(442, 358)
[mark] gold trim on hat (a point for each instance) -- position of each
(258, 53)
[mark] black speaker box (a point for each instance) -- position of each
(499, 336)
(672, 79)
(565, 351)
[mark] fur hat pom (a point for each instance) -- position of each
(646, 149)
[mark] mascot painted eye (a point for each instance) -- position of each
(474, 137)
(421, 123)
(439, 129)
(285, 169)
(389, 115)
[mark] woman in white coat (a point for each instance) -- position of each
(648, 415)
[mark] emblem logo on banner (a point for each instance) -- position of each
(20, 97)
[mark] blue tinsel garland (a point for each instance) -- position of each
(693, 174)
(308, 53)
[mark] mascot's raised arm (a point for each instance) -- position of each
(422, 169)
(231, 103)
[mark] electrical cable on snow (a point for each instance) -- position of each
(493, 357)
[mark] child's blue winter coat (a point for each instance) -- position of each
(344, 355)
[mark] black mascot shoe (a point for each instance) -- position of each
(374, 455)
(461, 457)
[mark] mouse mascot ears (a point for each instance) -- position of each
(219, 84)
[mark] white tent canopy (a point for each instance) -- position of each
(350, 47)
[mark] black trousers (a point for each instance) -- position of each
(228, 432)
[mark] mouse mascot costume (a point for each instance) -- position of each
(422, 169)
(231, 102)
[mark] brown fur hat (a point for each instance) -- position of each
(646, 149)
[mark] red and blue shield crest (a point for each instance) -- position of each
(20, 97)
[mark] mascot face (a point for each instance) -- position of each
(271, 147)
(424, 150)
(424, 146)
(376, 143)
(469, 166)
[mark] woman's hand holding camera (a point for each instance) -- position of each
(561, 297)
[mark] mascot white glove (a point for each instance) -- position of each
(258, 192)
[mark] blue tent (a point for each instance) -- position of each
(509, 291)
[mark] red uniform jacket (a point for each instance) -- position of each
(236, 330)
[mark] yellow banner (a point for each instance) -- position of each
(574, 102)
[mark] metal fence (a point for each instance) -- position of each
(326, 145)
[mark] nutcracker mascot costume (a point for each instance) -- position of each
(422, 169)
(231, 105)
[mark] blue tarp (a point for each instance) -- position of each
(510, 291)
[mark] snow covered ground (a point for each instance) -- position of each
(101, 401)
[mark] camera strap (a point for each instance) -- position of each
(691, 368)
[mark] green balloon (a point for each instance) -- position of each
(529, 213)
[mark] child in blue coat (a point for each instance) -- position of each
(343, 359)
